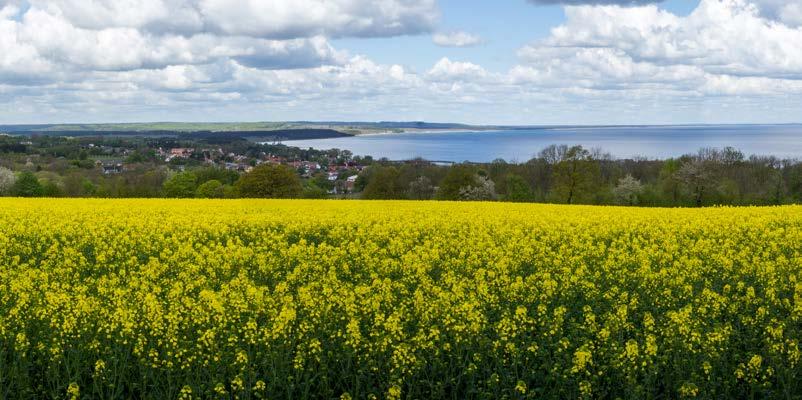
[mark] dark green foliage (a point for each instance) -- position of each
(559, 173)
(212, 189)
(312, 191)
(384, 183)
(270, 181)
(459, 176)
(27, 185)
(230, 192)
(179, 185)
(51, 189)
(141, 156)
(517, 189)
(224, 176)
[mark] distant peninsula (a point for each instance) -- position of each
(279, 131)
(267, 131)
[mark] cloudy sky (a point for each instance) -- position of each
(473, 61)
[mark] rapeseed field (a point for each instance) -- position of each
(262, 299)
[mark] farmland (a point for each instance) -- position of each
(392, 299)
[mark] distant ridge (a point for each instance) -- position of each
(266, 135)
(292, 129)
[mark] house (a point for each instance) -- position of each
(112, 168)
(232, 166)
(276, 160)
(350, 183)
(181, 152)
(333, 175)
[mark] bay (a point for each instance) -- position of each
(654, 142)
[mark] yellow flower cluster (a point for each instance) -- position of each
(346, 299)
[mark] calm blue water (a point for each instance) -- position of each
(521, 145)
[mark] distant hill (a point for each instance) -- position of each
(354, 127)
(150, 127)
(291, 130)
(210, 136)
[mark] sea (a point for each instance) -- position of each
(519, 145)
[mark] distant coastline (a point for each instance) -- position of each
(308, 130)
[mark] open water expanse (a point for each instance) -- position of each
(783, 141)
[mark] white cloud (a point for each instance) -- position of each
(273, 19)
(42, 41)
(456, 39)
(63, 60)
(448, 70)
(596, 2)
(721, 36)
(788, 12)
(19, 61)
(723, 50)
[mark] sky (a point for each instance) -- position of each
(570, 62)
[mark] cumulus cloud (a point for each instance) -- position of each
(597, 2)
(719, 36)
(447, 70)
(456, 39)
(274, 19)
(64, 60)
(42, 39)
(124, 57)
(788, 12)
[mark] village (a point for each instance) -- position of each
(333, 171)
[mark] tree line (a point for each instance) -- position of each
(558, 174)
(576, 175)
(263, 181)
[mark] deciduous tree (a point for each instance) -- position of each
(27, 185)
(7, 179)
(270, 181)
(180, 185)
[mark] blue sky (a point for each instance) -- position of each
(505, 26)
(474, 61)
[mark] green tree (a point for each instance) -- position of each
(313, 191)
(51, 189)
(459, 176)
(230, 192)
(141, 156)
(270, 181)
(225, 176)
(77, 185)
(669, 182)
(517, 189)
(574, 175)
(384, 184)
(88, 187)
(180, 185)
(27, 185)
(146, 182)
(212, 189)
